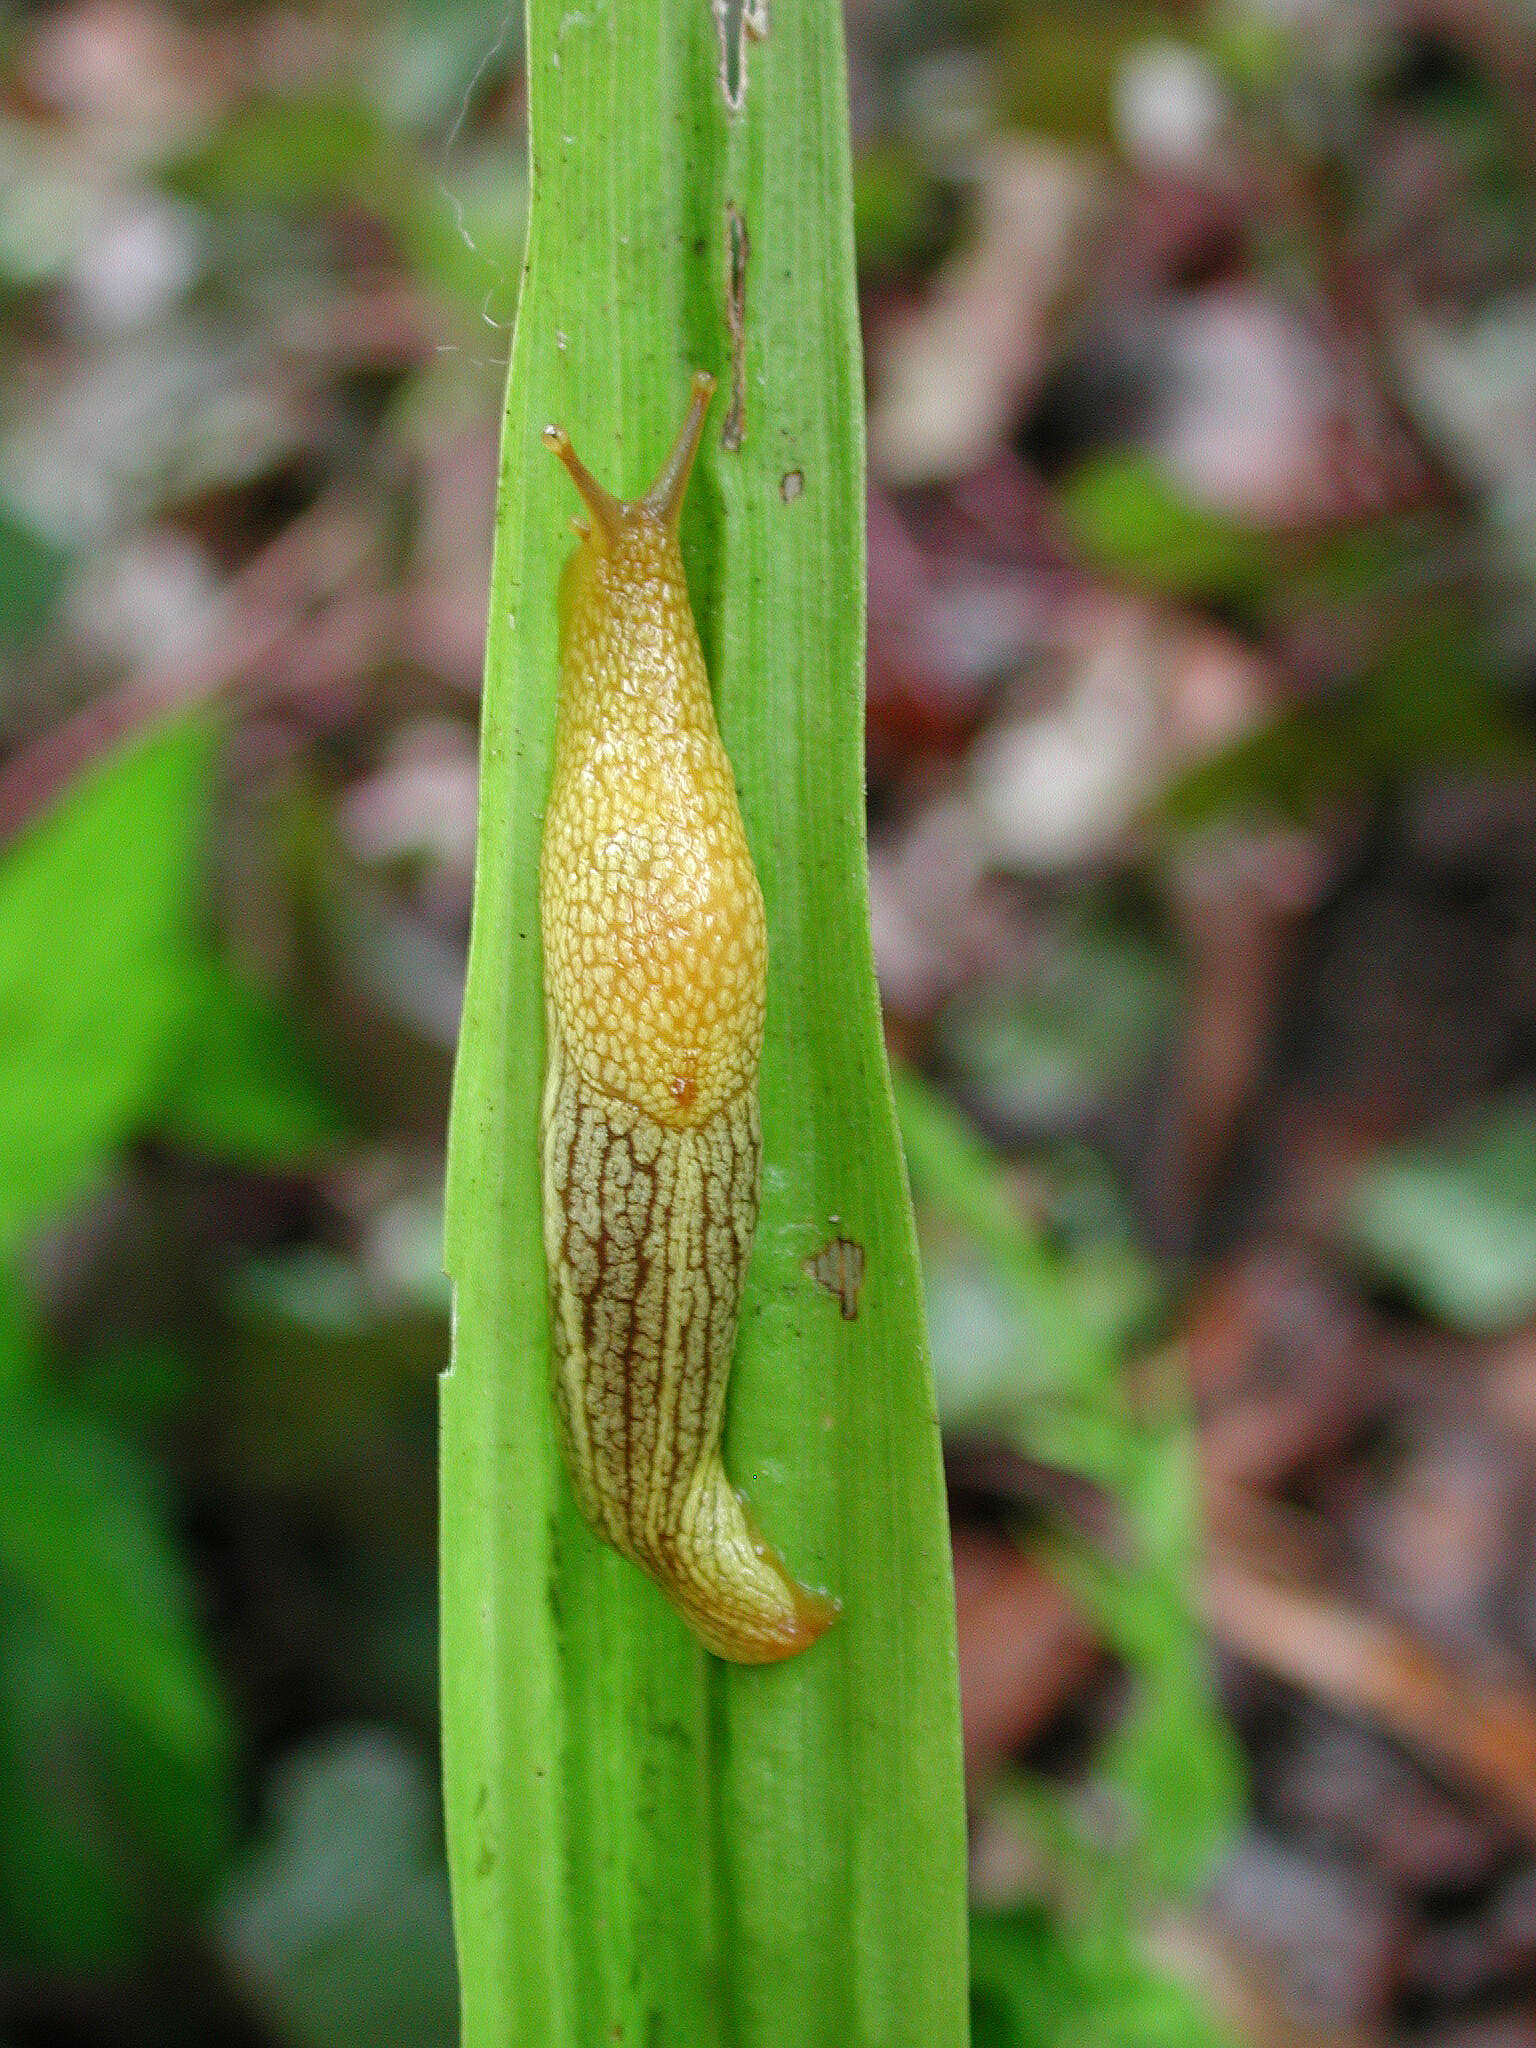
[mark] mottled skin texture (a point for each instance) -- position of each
(654, 960)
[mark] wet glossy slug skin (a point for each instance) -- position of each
(654, 958)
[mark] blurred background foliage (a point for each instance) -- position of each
(1202, 351)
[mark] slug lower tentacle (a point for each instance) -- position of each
(655, 953)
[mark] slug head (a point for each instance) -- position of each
(636, 528)
(653, 918)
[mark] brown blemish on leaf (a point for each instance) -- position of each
(839, 1267)
(738, 246)
(738, 24)
(791, 485)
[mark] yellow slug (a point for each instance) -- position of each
(654, 960)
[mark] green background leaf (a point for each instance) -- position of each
(337, 1922)
(243, 1089)
(1049, 1376)
(115, 1740)
(98, 911)
(1126, 513)
(81, 1535)
(1454, 1223)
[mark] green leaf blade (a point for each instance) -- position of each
(648, 1845)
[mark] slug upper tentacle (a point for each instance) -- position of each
(655, 956)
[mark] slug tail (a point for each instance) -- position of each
(730, 1585)
(647, 1231)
